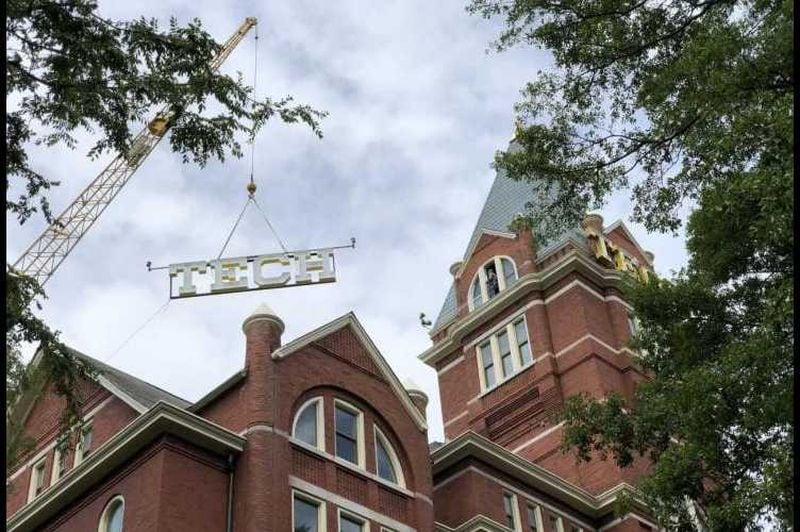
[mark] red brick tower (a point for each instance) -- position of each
(524, 327)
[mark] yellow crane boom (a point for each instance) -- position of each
(49, 250)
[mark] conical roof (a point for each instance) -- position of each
(264, 312)
(506, 199)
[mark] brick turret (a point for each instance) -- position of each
(263, 329)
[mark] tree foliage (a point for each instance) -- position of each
(69, 70)
(684, 104)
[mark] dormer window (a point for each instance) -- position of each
(492, 278)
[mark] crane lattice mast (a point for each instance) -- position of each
(47, 252)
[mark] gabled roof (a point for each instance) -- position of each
(135, 392)
(350, 320)
(139, 394)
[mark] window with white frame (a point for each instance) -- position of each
(504, 353)
(633, 324)
(492, 278)
(352, 523)
(349, 430)
(308, 513)
(37, 479)
(309, 424)
(510, 508)
(59, 462)
(556, 523)
(535, 523)
(113, 515)
(386, 461)
(84, 446)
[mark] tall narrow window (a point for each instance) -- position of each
(488, 365)
(388, 465)
(37, 480)
(309, 425)
(523, 346)
(505, 354)
(84, 447)
(307, 514)
(59, 462)
(113, 515)
(632, 328)
(535, 519)
(556, 523)
(509, 505)
(492, 282)
(349, 434)
(477, 298)
(509, 274)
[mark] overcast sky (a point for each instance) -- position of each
(417, 110)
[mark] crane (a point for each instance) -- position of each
(49, 250)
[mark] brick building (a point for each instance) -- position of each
(319, 434)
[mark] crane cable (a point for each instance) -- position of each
(251, 185)
(251, 189)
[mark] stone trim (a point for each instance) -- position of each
(347, 505)
(574, 261)
(471, 444)
(350, 320)
(160, 418)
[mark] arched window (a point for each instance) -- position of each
(308, 426)
(112, 516)
(492, 278)
(386, 461)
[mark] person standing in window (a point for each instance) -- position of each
(492, 284)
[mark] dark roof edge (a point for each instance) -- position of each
(100, 365)
(223, 387)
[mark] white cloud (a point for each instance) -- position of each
(417, 110)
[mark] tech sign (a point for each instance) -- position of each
(255, 272)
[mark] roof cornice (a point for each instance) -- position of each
(621, 225)
(473, 445)
(574, 261)
(350, 320)
(161, 418)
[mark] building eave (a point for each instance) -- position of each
(473, 445)
(161, 418)
(574, 261)
(223, 387)
(350, 320)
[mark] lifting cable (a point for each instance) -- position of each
(139, 329)
(251, 190)
(251, 185)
